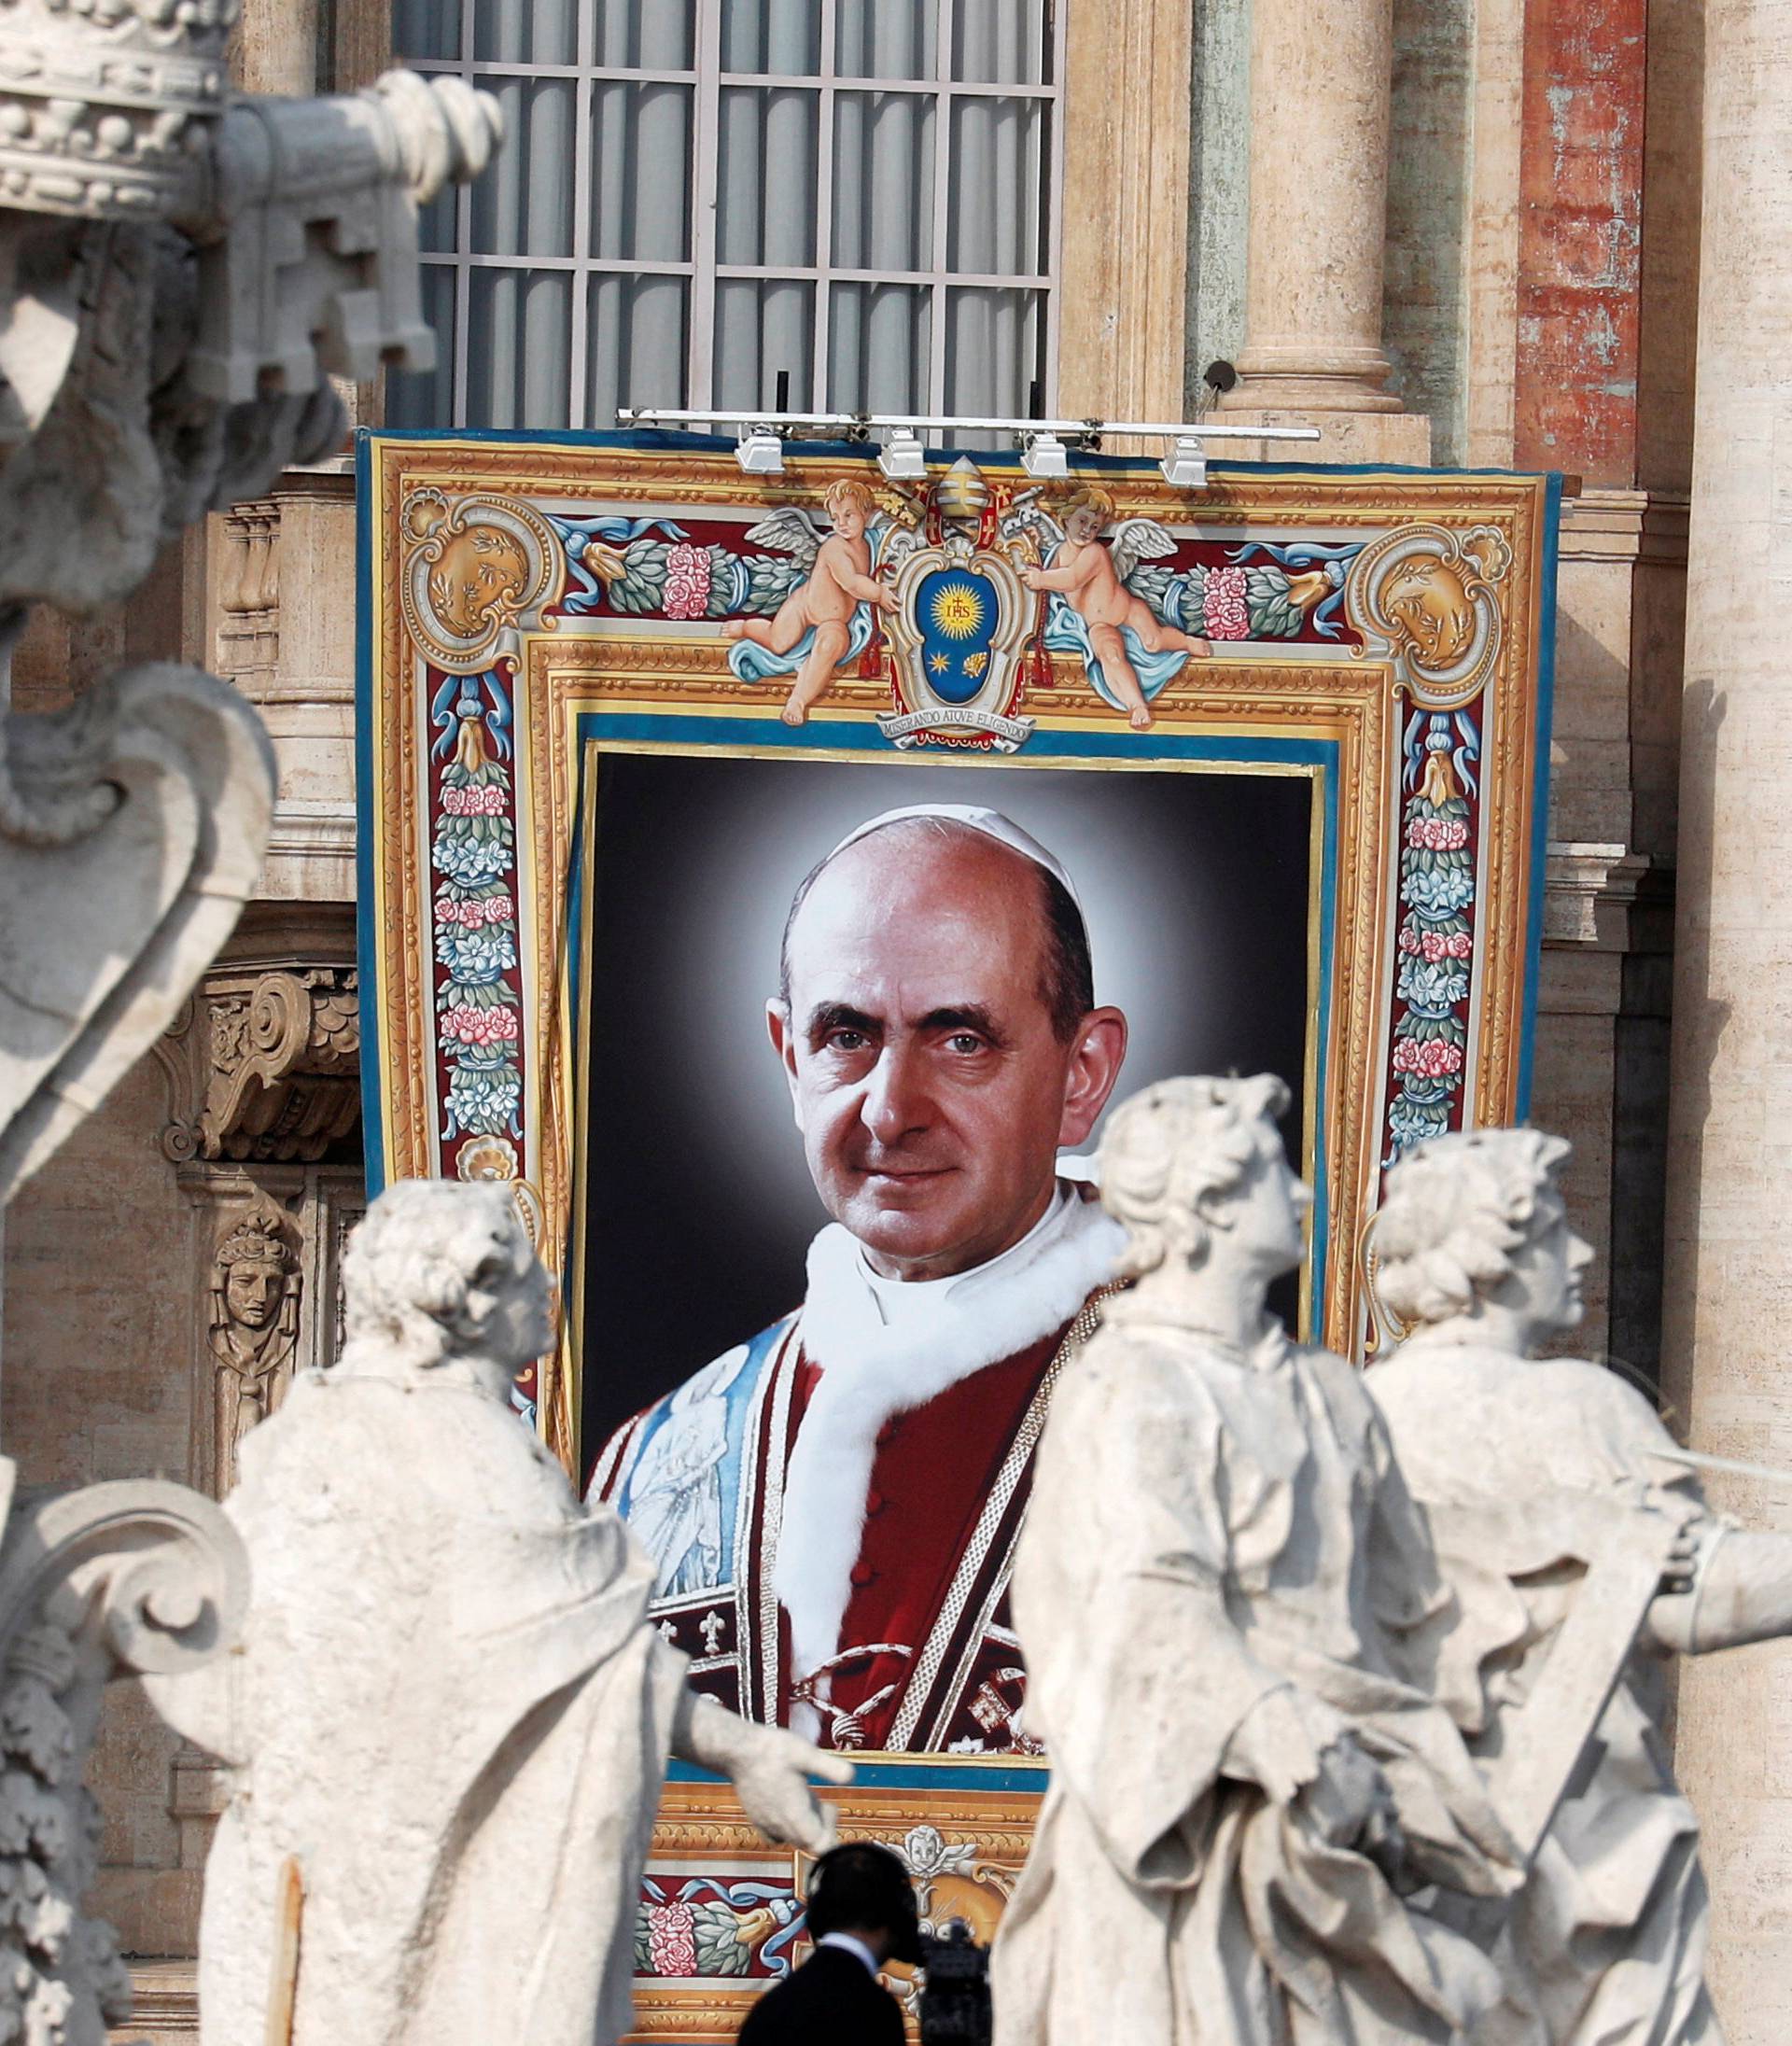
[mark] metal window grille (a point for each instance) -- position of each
(698, 195)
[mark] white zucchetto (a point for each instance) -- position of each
(991, 823)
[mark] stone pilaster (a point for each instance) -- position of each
(1126, 187)
(277, 626)
(1320, 90)
(1729, 1168)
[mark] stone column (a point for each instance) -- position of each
(1728, 1266)
(1320, 83)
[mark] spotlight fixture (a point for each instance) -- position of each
(760, 452)
(1045, 456)
(901, 458)
(1185, 465)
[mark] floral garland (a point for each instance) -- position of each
(473, 853)
(714, 1926)
(1263, 592)
(642, 567)
(647, 567)
(1437, 938)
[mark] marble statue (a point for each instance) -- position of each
(181, 272)
(1216, 1591)
(1544, 1482)
(448, 1719)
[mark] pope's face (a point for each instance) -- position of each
(930, 1088)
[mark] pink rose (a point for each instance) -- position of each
(687, 582)
(481, 1028)
(1459, 945)
(1432, 1060)
(494, 909)
(672, 1938)
(1223, 613)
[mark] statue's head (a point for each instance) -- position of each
(253, 1264)
(1474, 1221)
(1197, 1171)
(440, 1270)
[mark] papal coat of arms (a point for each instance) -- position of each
(962, 619)
(967, 592)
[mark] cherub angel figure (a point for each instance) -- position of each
(1128, 650)
(826, 619)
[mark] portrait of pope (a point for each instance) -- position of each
(831, 1506)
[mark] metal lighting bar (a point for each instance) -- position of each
(864, 422)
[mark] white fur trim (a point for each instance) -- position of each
(870, 1372)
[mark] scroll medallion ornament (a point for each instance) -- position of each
(1428, 596)
(475, 569)
(494, 1160)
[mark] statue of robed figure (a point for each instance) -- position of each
(1583, 1555)
(1216, 1590)
(449, 1716)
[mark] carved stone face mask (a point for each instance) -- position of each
(253, 1292)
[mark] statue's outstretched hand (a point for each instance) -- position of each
(769, 1768)
(772, 1781)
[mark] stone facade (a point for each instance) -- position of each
(1525, 296)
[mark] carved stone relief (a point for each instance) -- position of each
(267, 1248)
(117, 1578)
(181, 270)
(264, 1065)
(248, 599)
(254, 1334)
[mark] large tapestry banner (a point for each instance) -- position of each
(1246, 778)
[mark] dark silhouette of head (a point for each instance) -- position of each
(864, 1889)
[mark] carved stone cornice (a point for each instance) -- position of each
(1605, 898)
(1646, 526)
(264, 1064)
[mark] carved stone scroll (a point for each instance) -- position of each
(118, 1579)
(266, 1066)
